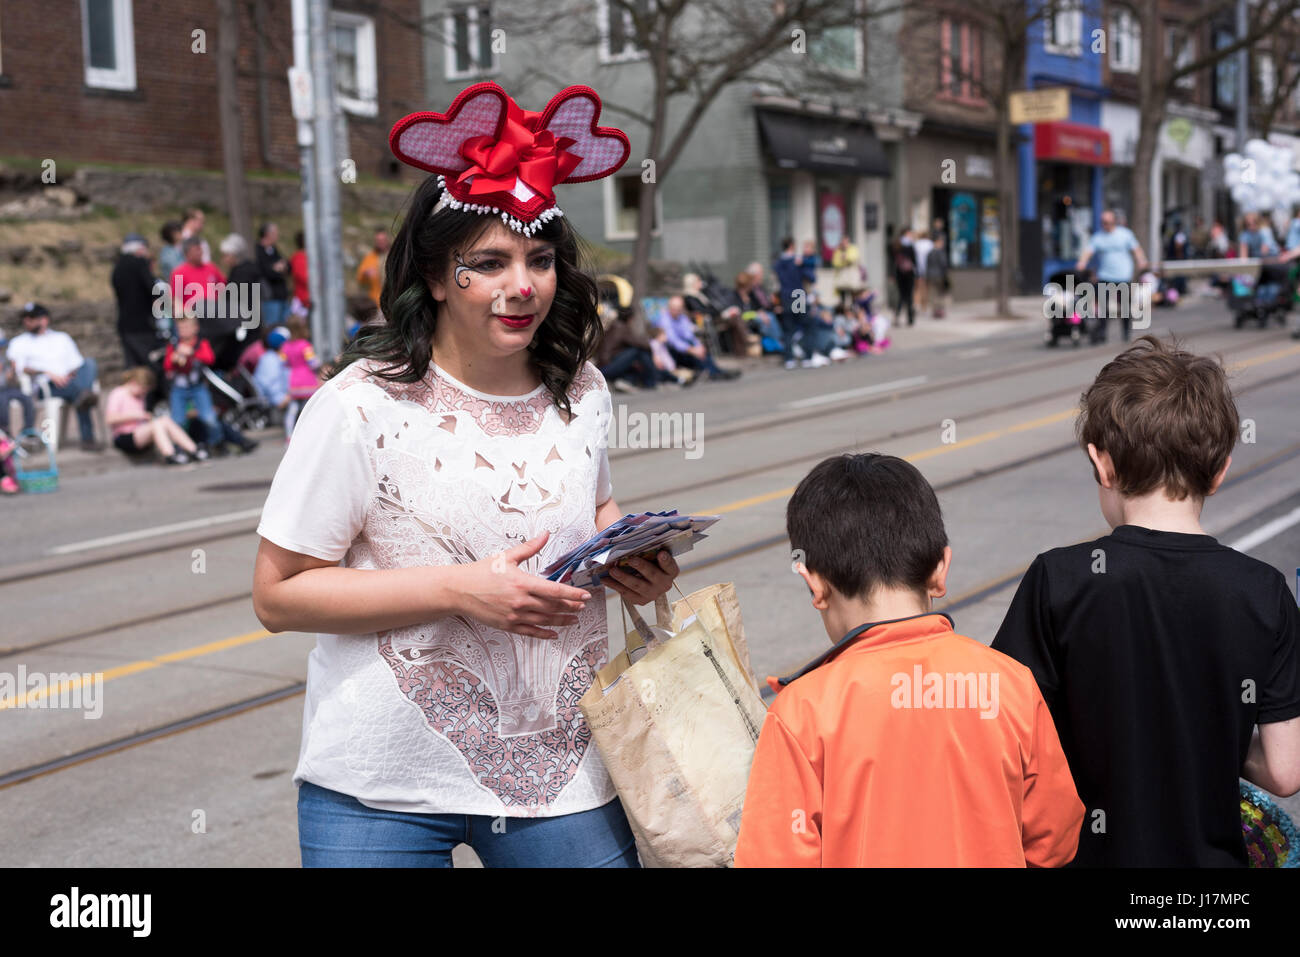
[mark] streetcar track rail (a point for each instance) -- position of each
(57, 565)
(191, 722)
(755, 423)
(977, 474)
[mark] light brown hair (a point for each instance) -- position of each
(1166, 417)
(141, 374)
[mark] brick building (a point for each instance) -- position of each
(132, 82)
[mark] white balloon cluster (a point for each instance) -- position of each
(1263, 179)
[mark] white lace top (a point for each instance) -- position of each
(448, 716)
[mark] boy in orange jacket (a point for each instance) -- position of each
(905, 744)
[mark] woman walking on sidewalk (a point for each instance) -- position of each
(936, 274)
(903, 259)
(452, 454)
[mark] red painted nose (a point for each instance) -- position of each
(525, 291)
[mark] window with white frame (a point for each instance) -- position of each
(1063, 28)
(840, 48)
(618, 34)
(623, 205)
(108, 43)
(959, 59)
(1177, 39)
(1266, 70)
(356, 78)
(1125, 41)
(468, 43)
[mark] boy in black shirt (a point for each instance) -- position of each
(1157, 649)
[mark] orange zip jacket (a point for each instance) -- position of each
(908, 745)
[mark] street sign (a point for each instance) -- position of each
(300, 98)
(1040, 106)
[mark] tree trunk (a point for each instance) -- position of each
(232, 151)
(1140, 216)
(1006, 175)
(1153, 99)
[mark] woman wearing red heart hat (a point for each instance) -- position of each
(456, 450)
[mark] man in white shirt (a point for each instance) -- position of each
(52, 358)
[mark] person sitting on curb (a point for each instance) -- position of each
(135, 430)
(686, 348)
(53, 361)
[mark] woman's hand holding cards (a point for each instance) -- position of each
(641, 581)
(497, 592)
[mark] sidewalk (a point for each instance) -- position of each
(974, 319)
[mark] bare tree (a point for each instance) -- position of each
(1159, 76)
(693, 50)
(1007, 28)
(1286, 79)
(232, 149)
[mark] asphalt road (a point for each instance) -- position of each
(143, 574)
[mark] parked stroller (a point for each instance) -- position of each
(1263, 300)
(238, 400)
(1063, 319)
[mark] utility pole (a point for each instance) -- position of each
(1243, 78)
(304, 111)
(329, 218)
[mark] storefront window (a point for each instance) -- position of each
(971, 222)
(990, 232)
(1065, 206)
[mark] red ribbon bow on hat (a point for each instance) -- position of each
(539, 158)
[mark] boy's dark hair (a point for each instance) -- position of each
(867, 521)
(170, 230)
(1166, 417)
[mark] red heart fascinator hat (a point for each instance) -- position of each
(495, 158)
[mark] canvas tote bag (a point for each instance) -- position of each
(676, 716)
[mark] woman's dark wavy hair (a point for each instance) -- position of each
(422, 251)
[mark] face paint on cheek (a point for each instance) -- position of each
(462, 270)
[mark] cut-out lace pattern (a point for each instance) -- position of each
(459, 478)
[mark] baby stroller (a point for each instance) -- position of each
(238, 400)
(1063, 319)
(1261, 300)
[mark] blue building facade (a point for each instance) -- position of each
(1061, 164)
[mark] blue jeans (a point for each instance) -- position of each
(275, 312)
(82, 379)
(217, 430)
(335, 830)
(15, 394)
(202, 399)
(632, 360)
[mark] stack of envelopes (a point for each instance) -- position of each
(631, 536)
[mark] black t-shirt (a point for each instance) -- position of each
(277, 283)
(1157, 653)
(133, 282)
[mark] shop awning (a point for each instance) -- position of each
(822, 144)
(1071, 143)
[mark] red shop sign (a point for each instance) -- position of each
(1072, 143)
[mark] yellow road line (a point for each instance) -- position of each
(214, 646)
(914, 457)
(1266, 357)
(135, 667)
